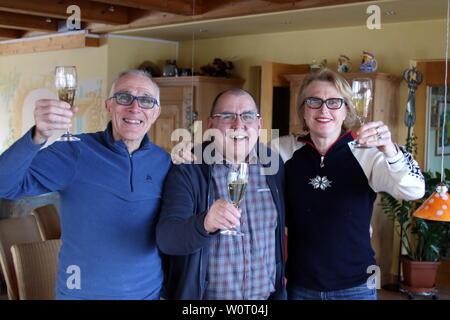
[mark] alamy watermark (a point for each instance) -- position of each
(74, 21)
(221, 147)
(374, 280)
(374, 20)
(74, 280)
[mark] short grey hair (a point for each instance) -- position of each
(141, 73)
(235, 92)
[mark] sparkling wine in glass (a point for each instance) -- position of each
(66, 84)
(362, 96)
(237, 180)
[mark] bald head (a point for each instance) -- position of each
(237, 92)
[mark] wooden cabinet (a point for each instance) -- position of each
(384, 106)
(184, 99)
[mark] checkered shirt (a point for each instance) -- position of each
(244, 267)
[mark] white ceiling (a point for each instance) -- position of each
(305, 19)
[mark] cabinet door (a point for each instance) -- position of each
(174, 101)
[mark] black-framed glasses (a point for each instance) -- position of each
(126, 99)
(331, 103)
(230, 117)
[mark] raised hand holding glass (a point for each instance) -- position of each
(362, 96)
(237, 180)
(66, 84)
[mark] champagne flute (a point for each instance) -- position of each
(237, 180)
(362, 96)
(66, 84)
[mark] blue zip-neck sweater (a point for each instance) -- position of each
(109, 205)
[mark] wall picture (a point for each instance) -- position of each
(446, 126)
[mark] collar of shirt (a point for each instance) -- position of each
(119, 146)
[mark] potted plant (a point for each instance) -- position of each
(423, 240)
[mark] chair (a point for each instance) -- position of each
(13, 231)
(36, 265)
(47, 218)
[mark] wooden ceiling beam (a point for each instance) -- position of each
(10, 33)
(27, 22)
(51, 43)
(90, 11)
(281, 1)
(219, 9)
(181, 7)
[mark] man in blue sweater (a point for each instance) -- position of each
(203, 262)
(110, 184)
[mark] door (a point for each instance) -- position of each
(272, 84)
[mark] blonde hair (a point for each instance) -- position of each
(341, 86)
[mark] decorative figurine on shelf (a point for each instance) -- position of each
(317, 66)
(186, 72)
(369, 63)
(219, 68)
(151, 68)
(344, 64)
(170, 69)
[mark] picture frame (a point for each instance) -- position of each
(440, 123)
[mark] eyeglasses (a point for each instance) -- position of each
(126, 99)
(230, 117)
(316, 103)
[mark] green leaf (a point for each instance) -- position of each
(423, 240)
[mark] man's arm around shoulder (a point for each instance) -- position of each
(180, 229)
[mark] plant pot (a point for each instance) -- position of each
(419, 274)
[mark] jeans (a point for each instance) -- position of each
(361, 292)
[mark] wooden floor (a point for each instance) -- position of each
(443, 294)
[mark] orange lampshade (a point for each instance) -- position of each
(437, 206)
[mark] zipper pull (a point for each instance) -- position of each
(321, 161)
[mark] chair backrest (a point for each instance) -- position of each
(12, 231)
(36, 265)
(48, 221)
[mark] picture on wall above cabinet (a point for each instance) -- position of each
(446, 126)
